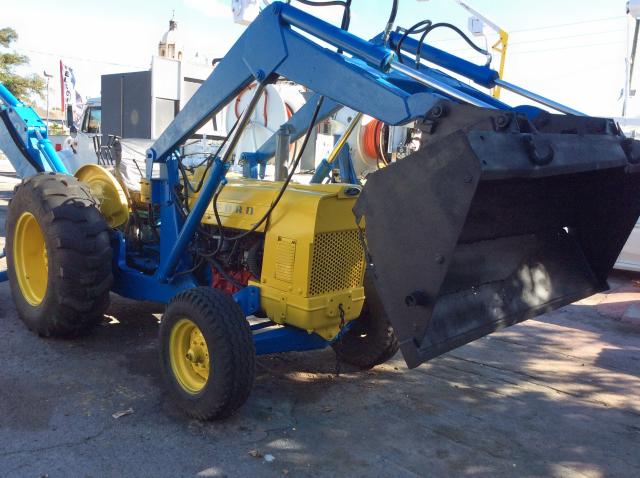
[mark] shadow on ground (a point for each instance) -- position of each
(554, 397)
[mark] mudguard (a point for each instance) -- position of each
(496, 219)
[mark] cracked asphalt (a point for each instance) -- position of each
(556, 396)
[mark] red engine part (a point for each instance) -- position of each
(220, 282)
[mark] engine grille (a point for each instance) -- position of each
(338, 262)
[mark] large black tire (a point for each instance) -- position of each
(231, 353)
(78, 251)
(370, 340)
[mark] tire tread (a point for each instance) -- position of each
(78, 244)
(221, 319)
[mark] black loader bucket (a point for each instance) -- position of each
(496, 219)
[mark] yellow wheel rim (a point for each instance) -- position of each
(30, 259)
(189, 356)
(105, 189)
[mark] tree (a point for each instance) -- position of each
(20, 85)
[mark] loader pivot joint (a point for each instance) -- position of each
(438, 111)
(502, 122)
(430, 121)
(540, 151)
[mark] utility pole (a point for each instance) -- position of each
(633, 10)
(48, 77)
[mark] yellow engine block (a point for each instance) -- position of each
(313, 263)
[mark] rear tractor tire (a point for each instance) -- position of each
(207, 355)
(370, 340)
(58, 256)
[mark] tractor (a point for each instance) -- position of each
(500, 214)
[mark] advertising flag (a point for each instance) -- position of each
(70, 95)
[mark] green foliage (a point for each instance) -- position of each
(7, 36)
(21, 86)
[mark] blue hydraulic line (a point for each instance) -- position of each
(482, 75)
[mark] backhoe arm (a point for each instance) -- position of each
(24, 139)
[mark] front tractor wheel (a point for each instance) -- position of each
(58, 256)
(207, 356)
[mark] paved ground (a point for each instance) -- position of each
(557, 396)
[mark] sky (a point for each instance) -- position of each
(572, 51)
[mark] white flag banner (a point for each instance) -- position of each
(70, 95)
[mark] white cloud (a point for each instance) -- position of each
(211, 8)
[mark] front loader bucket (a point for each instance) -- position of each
(496, 219)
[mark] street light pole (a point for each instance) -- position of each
(48, 77)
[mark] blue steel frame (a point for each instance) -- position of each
(29, 132)
(361, 81)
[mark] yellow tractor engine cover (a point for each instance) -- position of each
(313, 263)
